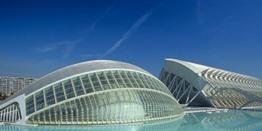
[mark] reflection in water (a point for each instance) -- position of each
(169, 125)
(231, 120)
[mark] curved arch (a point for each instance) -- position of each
(104, 81)
(136, 111)
(75, 69)
(100, 92)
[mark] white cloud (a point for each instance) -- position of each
(67, 47)
(127, 34)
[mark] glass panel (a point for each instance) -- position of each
(103, 80)
(64, 112)
(95, 82)
(30, 107)
(69, 111)
(125, 78)
(49, 94)
(89, 105)
(85, 109)
(59, 92)
(132, 79)
(78, 86)
(87, 84)
(137, 79)
(40, 102)
(111, 80)
(58, 114)
(42, 116)
(80, 111)
(69, 89)
(143, 80)
(52, 114)
(47, 116)
(149, 82)
(119, 79)
(75, 108)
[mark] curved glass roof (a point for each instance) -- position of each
(75, 69)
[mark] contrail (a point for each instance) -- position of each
(127, 34)
(108, 9)
(68, 46)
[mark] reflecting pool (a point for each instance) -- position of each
(230, 120)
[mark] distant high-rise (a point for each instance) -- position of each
(11, 85)
(198, 85)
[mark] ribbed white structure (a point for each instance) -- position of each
(199, 85)
(93, 92)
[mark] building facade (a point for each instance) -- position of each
(93, 92)
(11, 85)
(197, 85)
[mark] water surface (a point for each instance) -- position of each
(230, 121)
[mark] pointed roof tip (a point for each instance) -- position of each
(170, 58)
(198, 68)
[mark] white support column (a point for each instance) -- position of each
(54, 92)
(45, 100)
(184, 92)
(177, 85)
(172, 82)
(4, 117)
(34, 99)
(86, 106)
(82, 111)
(181, 87)
(82, 84)
(165, 80)
(121, 78)
(13, 114)
(109, 84)
(9, 114)
(98, 79)
(73, 86)
(188, 96)
(63, 87)
(194, 97)
(92, 108)
(91, 82)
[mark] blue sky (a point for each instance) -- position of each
(38, 37)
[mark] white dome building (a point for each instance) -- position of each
(92, 92)
(198, 85)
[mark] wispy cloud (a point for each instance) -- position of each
(136, 25)
(67, 47)
(101, 17)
